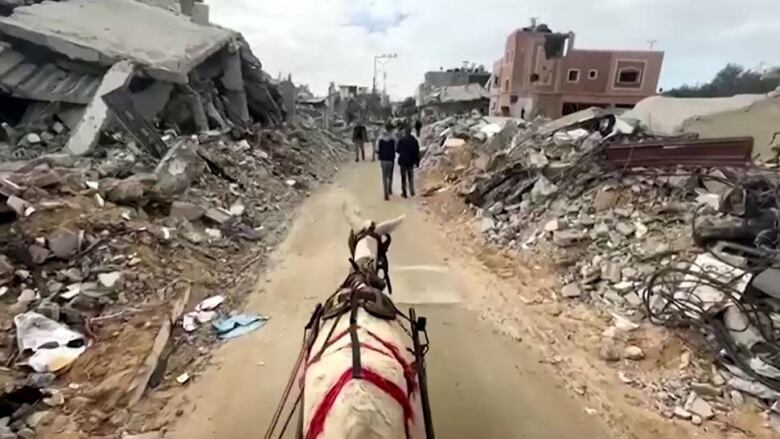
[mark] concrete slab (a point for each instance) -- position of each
(107, 31)
(26, 78)
(86, 135)
(665, 116)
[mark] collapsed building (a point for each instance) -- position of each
(147, 164)
(59, 60)
(455, 99)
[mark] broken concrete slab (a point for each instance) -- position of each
(188, 211)
(567, 238)
(542, 190)
(634, 353)
(64, 243)
(20, 206)
(86, 135)
(571, 120)
(106, 31)
(698, 406)
(6, 268)
(125, 191)
(571, 290)
(217, 216)
(39, 254)
(178, 169)
(109, 280)
(48, 82)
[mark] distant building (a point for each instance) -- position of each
(542, 73)
(456, 99)
(469, 74)
(351, 91)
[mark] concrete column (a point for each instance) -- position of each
(233, 81)
(186, 7)
(200, 13)
(287, 88)
(196, 108)
(86, 135)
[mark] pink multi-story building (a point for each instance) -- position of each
(542, 73)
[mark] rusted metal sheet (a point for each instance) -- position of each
(726, 151)
(120, 102)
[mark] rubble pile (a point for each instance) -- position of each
(99, 252)
(679, 246)
(142, 175)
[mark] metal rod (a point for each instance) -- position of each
(422, 376)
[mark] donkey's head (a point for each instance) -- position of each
(366, 234)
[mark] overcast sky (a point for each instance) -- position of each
(319, 41)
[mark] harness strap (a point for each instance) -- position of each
(317, 425)
(357, 367)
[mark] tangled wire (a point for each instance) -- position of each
(714, 295)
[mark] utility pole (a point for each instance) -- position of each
(380, 61)
(651, 43)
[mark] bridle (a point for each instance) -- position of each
(362, 270)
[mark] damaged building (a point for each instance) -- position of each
(542, 73)
(455, 99)
(63, 64)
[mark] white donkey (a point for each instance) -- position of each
(360, 379)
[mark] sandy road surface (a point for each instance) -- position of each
(483, 384)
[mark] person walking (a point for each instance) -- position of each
(418, 127)
(408, 158)
(385, 150)
(360, 138)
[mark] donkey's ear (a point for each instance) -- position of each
(353, 219)
(389, 226)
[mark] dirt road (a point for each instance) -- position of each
(484, 384)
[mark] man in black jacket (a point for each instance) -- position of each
(408, 158)
(385, 150)
(360, 137)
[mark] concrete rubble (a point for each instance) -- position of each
(634, 240)
(114, 225)
(60, 61)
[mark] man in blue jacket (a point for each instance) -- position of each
(385, 150)
(408, 150)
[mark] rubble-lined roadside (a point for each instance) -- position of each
(116, 263)
(653, 244)
(144, 178)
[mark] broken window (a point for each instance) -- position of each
(513, 99)
(574, 75)
(593, 74)
(534, 77)
(629, 76)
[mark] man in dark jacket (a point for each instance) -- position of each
(385, 150)
(418, 127)
(408, 158)
(359, 138)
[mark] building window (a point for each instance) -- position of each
(513, 99)
(574, 75)
(593, 74)
(629, 75)
(534, 77)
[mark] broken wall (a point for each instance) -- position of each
(665, 116)
(760, 120)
